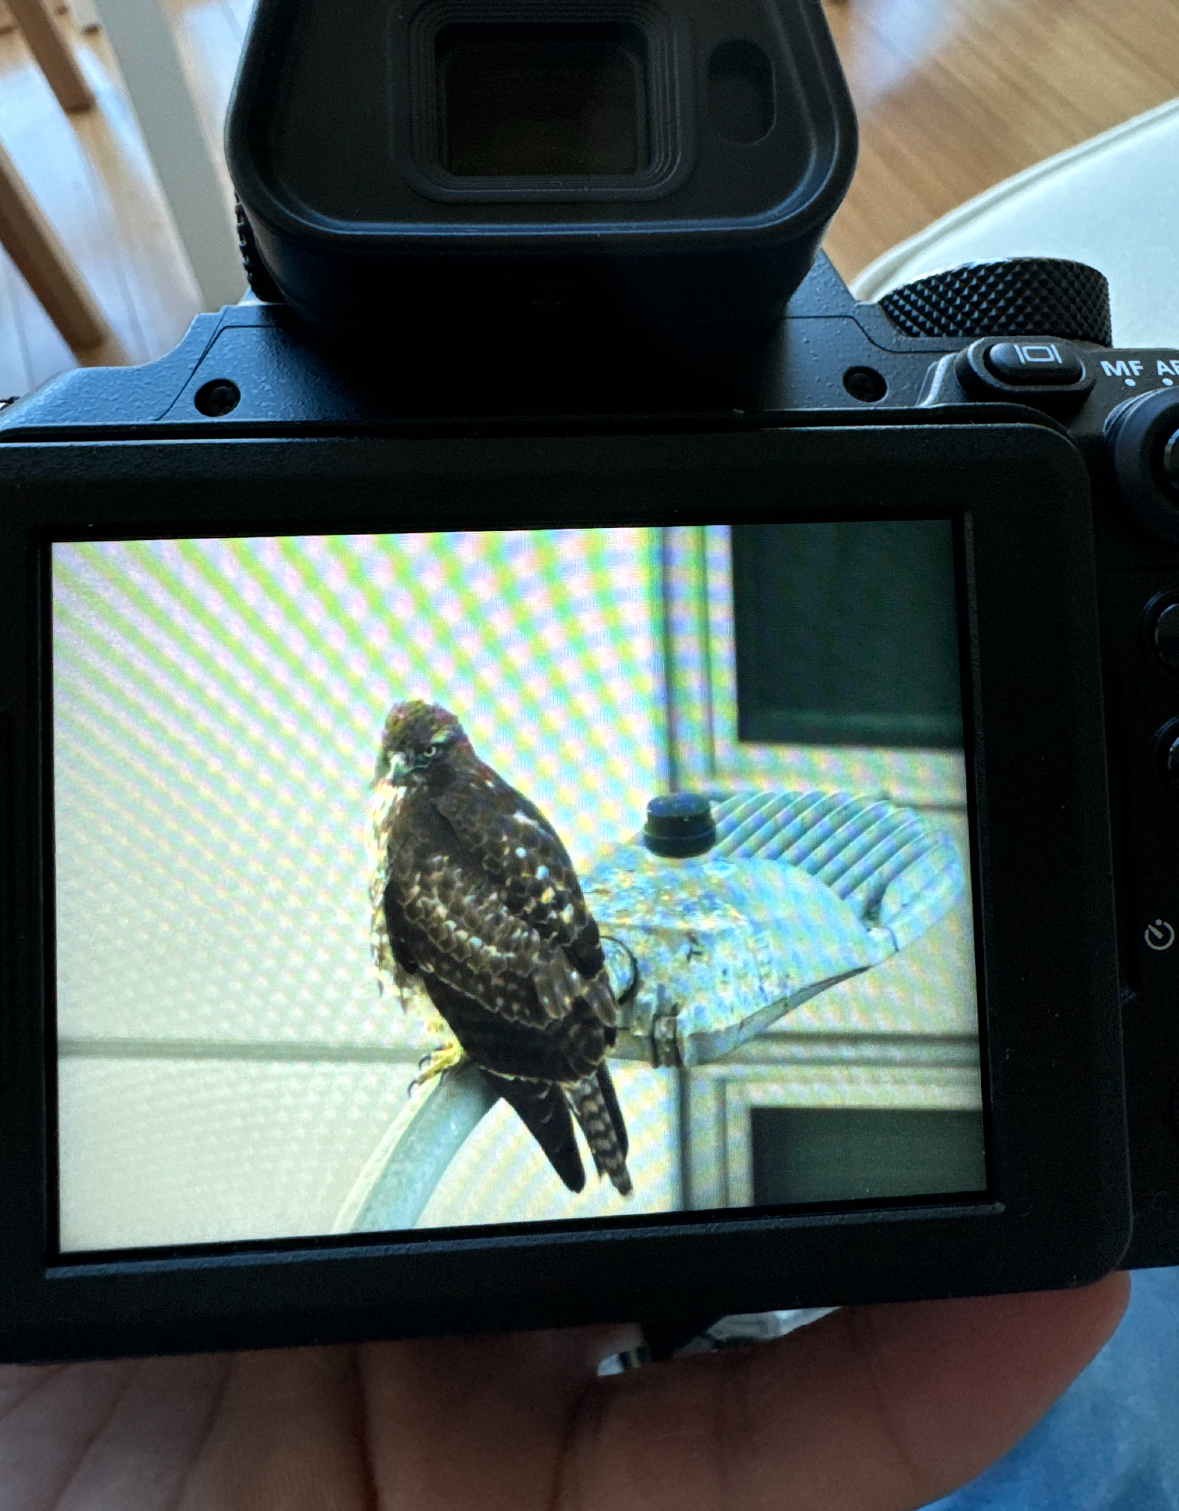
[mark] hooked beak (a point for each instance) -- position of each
(399, 769)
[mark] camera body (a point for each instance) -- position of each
(983, 415)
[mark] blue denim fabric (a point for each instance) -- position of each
(1111, 1443)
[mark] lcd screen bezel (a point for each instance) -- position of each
(1057, 1211)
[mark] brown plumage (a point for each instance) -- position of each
(482, 905)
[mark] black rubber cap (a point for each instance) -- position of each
(679, 825)
(1023, 296)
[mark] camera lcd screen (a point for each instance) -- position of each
(541, 100)
(365, 922)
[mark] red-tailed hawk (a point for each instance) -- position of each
(482, 905)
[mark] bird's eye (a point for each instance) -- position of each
(433, 748)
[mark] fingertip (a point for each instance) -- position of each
(878, 1407)
(963, 1380)
(1055, 1333)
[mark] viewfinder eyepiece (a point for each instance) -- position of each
(540, 100)
(524, 177)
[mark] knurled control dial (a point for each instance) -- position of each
(257, 274)
(1022, 296)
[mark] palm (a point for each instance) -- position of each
(871, 1409)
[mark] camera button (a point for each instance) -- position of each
(1160, 631)
(1166, 637)
(1170, 461)
(1035, 362)
(1143, 440)
(1166, 757)
(1044, 371)
(1171, 760)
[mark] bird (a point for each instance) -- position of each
(475, 900)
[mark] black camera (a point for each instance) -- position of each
(557, 767)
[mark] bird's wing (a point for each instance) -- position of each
(521, 853)
(447, 914)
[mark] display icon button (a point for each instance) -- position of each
(1159, 935)
(1035, 362)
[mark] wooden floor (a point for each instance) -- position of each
(953, 95)
(93, 179)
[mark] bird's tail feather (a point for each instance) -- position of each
(543, 1110)
(596, 1105)
(610, 1097)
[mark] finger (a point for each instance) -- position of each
(478, 1421)
(287, 1433)
(18, 1381)
(872, 1409)
(141, 1453)
(52, 1417)
(111, 1436)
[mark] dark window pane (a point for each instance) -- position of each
(847, 634)
(806, 1154)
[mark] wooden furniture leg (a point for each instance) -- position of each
(34, 247)
(49, 47)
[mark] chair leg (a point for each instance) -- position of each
(52, 52)
(34, 247)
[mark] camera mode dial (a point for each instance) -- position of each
(1021, 296)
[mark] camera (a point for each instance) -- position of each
(556, 766)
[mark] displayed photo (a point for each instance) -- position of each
(461, 879)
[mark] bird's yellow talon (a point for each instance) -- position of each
(434, 1064)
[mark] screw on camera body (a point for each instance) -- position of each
(217, 398)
